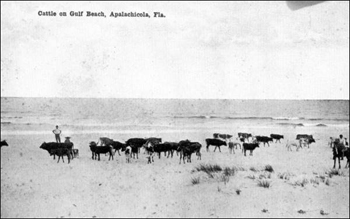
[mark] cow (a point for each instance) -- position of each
(171, 146)
(250, 147)
(136, 142)
(162, 147)
(187, 148)
(308, 139)
(293, 143)
(245, 136)
(215, 142)
(60, 152)
(117, 146)
(104, 141)
(97, 150)
(54, 145)
(263, 139)
(3, 143)
(222, 136)
(277, 137)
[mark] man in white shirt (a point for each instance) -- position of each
(57, 133)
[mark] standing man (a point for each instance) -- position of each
(57, 133)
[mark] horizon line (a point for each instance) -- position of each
(155, 98)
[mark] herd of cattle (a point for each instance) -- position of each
(185, 148)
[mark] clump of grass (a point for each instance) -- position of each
(269, 168)
(209, 168)
(314, 181)
(265, 176)
(238, 191)
(253, 169)
(327, 181)
(225, 178)
(238, 168)
(229, 171)
(301, 183)
(195, 180)
(285, 175)
(264, 183)
(251, 177)
(334, 172)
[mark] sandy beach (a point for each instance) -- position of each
(35, 185)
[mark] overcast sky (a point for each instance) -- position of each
(231, 50)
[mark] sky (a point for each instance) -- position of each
(200, 50)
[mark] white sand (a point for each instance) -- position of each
(35, 185)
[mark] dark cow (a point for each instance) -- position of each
(308, 139)
(215, 142)
(3, 143)
(136, 142)
(171, 146)
(245, 136)
(264, 139)
(250, 147)
(97, 150)
(60, 152)
(117, 146)
(162, 147)
(187, 148)
(277, 137)
(54, 145)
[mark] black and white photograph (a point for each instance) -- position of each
(230, 109)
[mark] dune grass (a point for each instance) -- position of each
(195, 180)
(264, 183)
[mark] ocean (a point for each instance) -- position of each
(29, 115)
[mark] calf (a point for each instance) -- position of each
(75, 153)
(60, 152)
(128, 151)
(232, 145)
(215, 142)
(3, 143)
(97, 150)
(250, 147)
(296, 144)
(277, 137)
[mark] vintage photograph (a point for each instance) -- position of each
(175, 109)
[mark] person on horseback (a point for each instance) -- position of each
(342, 142)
